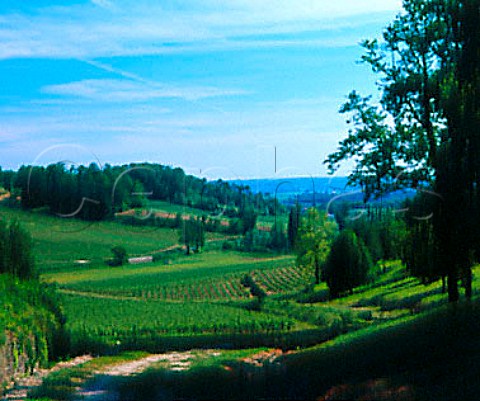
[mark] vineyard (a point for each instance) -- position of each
(147, 307)
(212, 276)
(110, 322)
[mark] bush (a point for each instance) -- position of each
(258, 294)
(119, 256)
(348, 264)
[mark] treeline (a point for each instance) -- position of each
(347, 249)
(94, 193)
(367, 239)
(350, 249)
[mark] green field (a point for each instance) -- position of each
(199, 301)
(60, 242)
(200, 294)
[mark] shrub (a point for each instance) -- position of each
(119, 256)
(348, 264)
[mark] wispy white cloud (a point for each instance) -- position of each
(117, 90)
(127, 27)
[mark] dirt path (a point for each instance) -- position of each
(101, 388)
(100, 295)
(24, 385)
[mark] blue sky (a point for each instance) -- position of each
(210, 86)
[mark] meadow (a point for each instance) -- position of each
(59, 242)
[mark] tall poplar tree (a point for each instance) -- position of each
(424, 132)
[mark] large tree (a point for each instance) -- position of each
(315, 235)
(424, 130)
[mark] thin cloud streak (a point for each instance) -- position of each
(102, 31)
(116, 90)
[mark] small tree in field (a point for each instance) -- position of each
(119, 256)
(348, 264)
(192, 233)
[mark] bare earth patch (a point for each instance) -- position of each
(26, 384)
(100, 389)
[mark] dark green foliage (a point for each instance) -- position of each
(257, 293)
(31, 311)
(341, 211)
(96, 193)
(119, 256)
(16, 255)
(33, 319)
(428, 63)
(348, 265)
(369, 232)
(192, 233)
(393, 234)
(255, 290)
(6, 179)
(420, 253)
(249, 219)
(315, 236)
(4, 247)
(278, 238)
(381, 230)
(293, 225)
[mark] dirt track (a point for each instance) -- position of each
(24, 385)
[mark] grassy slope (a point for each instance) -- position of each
(436, 355)
(59, 242)
(429, 355)
(433, 356)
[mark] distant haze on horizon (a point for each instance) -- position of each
(210, 87)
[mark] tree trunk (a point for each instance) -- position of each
(188, 249)
(452, 283)
(317, 272)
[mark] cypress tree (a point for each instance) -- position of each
(348, 264)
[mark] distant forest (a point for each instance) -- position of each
(94, 193)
